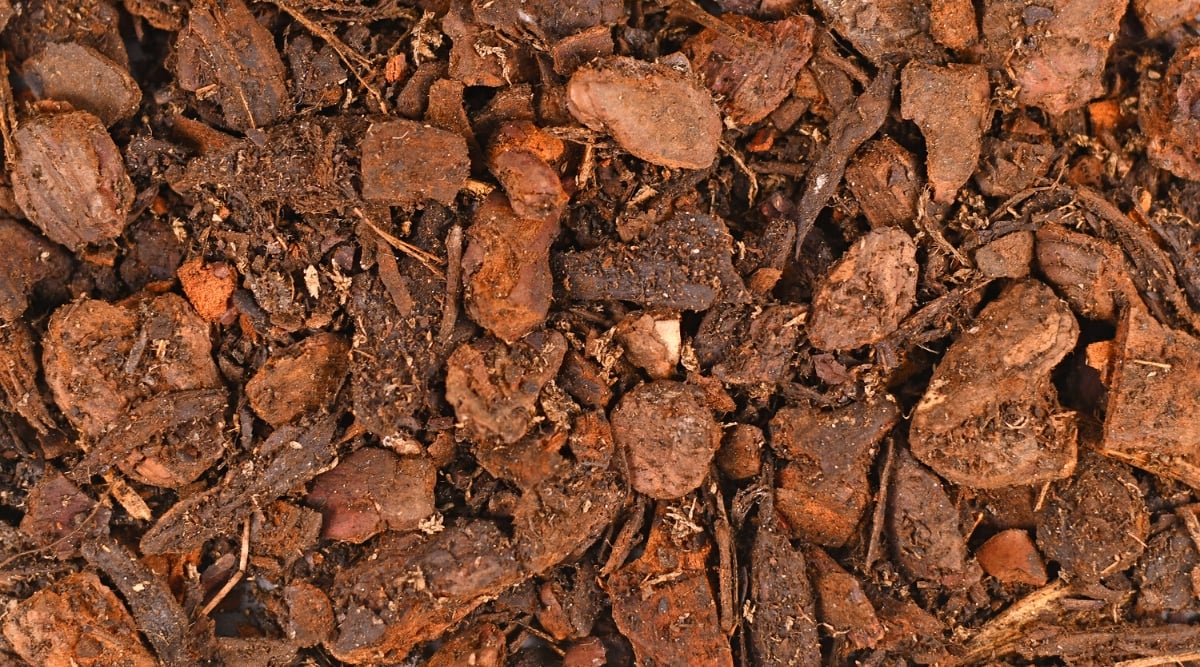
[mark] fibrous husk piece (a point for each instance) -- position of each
(950, 104)
(867, 294)
(70, 180)
(632, 100)
(225, 52)
(990, 416)
(752, 75)
(669, 582)
(668, 435)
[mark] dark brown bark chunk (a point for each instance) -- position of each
(842, 604)
(1166, 574)
(867, 294)
(783, 628)
(310, 615)
(1172, 119)
(990, 416)
(1091, 274)
(669, 437)
(823, 490)
(405, 162)
(77, 621)
(494, 387)
(664, 605)
(753, 74)
(740, 456)
(880, 29)
(508, 286)
(950, 105)
(1007, 257)
(767, 348)
(225, 53)
(1096, 523)
(927, 539)
(85, 78)
(32, 265)
(60, 516)
(19, 377)
(654, 273)
(299, 379)
(632, 100)
(885, 179)
(70, 180)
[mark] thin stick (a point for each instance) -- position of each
(427, 260)
(1172, 659)
(237, 576)
(454, 250)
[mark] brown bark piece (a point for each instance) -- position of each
(1166, 574)
(480, 56)
(70, 180)
(85, 78)
(885, 179)
(555, 21)
(224, 52)
(19, 368)
(565, 514)
(522, 157)
(100, 358)
(783, 629)
(405, 162)
(668, 436)
(842, 604)
(1011, 557)
(290, 457)
(1096, 523)
(632, 99)
(507, 282)
(574, 51)
(208, 286)
(823, 491)
(93, 23)
(880, 29)
(867, 293)
(1171, 119)
(60, 516)
(300, 378)
(1009, 256)
(1091, 274)
(740, 456)
(654, 273)
(650, 343)
(990, 416)
(1153, 421)
(927, 540)
(494, 387)
(32, 265)
(1009, 165)
(952, 23)
(1056, 50)
(310, 614)
(476, 644)
(664, 605)
(410, 588)
(752, 75)
(373, 490)
(1160, 16)
(766, 351)
(77, 621)
(950, 105)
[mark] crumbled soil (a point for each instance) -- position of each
(503, 332)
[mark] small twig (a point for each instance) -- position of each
(237, 576)
(427, 260)
(741, 163)
(881, 499)
(8, 114)
(344, 52)
(1155, 364)
(996, 636)
(454, 250)
(1171, 659)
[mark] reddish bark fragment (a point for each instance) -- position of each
(60, 516)
(1007, 257)
(1055, 50)
(508, 286)
(867, 293)
(224, 52)
(950, 105)
(477, 644)
(310, 615)
(208, 286)
(632, 100)
(1172, 116)
(885, 179)
(85, 78)
(32, 265)
(740, 456)
(881, 28)
(664, 605)
(823, 490)
(668, 435)
(990, 416)
(522, 157)
(1161, 16)
(299, 379)
(952, 23)
(69, 179)
(754, 73)
(842, 604)
(1011, 165)
(1011, 557)
(651, 343)
(574, 51)
(927, 540)
(1091, 274)
(78, 621)
(373, 490)
(405, 162)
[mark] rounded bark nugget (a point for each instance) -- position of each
(669, 437)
